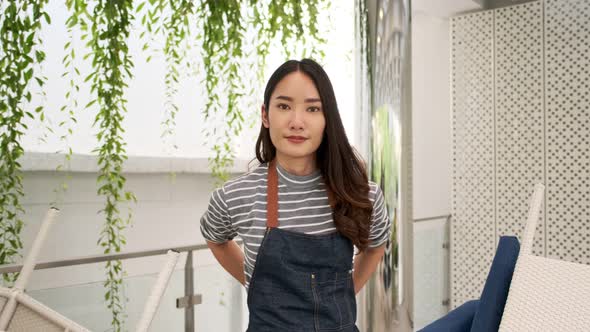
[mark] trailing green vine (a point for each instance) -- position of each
(109, 33)
(78, 19)
(365, 49)
(296, 24)
(172, 19)
(177, 30)
(365, 62)
(19, 35)
(223, 31)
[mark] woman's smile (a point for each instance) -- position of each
(296, 139)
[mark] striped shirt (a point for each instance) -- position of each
(238, 208)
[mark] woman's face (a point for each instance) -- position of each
(295, 117)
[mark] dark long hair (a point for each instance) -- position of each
(342, 168)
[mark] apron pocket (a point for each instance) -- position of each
(280, 306)
(335, 304)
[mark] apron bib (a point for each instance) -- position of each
(300, 282)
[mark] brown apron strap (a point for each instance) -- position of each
(272, 196)
(331, 200)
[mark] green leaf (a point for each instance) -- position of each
(47, 18)
(13, 243)
(140, 7)
(40, 56)
(92, 102)
(28, 74)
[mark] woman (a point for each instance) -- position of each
(300, 212)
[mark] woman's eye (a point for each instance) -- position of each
(314, 109)
(283, 106)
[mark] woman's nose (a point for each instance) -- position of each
(297, 122)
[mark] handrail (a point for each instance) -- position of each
(11, 268)
(445, 216)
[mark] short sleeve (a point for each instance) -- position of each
(380, 222)
(216, 223)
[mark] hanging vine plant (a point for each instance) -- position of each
(296, 24)
(19, 37)
(109, 27)
(170, 20)
(77, 20)
(223, 31)
(177, 30)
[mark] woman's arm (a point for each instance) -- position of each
(231, 257)
(365, 264)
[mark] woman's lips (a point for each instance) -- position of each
(296, 139)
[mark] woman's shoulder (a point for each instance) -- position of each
(374, 191)
(257, 174)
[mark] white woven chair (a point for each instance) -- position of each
(546, 294)
(21, 313)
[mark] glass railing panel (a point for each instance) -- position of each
(430, 271)
(222, 308)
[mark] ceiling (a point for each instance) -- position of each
(445, 8)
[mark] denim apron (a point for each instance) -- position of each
(300, 282)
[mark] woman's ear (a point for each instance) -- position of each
(264, 114)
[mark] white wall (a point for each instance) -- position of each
(431, 138)
(431, 115)
(431, 109)
(432, 154)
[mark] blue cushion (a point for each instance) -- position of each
(493, 298)
(457, 320)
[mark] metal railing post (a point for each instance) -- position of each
(189, 310)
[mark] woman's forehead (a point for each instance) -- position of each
(296, 86)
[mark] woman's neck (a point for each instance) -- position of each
(297, 166)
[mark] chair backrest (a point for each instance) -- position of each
(495, 291)
(535, 204)
(153, 302)
(21, 313)
(546, 294)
